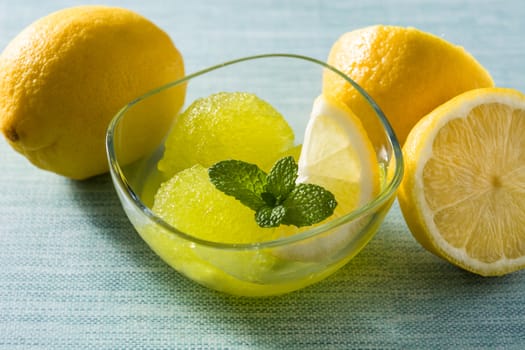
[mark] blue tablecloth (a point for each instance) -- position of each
(75, 275)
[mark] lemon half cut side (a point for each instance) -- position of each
(463, 194)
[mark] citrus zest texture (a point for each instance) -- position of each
(463, 191)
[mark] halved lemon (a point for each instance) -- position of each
(463, 194)
(337, 155)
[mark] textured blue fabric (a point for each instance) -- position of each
(74, 275)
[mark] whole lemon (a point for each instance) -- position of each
(65, 76)
(406, 71)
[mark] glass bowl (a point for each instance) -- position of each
(290, 83)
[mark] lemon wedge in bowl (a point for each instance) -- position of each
(463, 191)
(337, 155)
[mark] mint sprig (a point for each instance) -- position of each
(275, 197)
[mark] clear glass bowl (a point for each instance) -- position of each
(290, 83)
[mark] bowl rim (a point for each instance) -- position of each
(119, 179)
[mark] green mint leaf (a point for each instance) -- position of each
(308, 204)
(269, 199)
(275, 198)
(281, 178)
(270, 216)
(244, 181)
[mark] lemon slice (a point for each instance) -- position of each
(338, 155)
(463, 194)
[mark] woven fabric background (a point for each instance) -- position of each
(74, 275)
